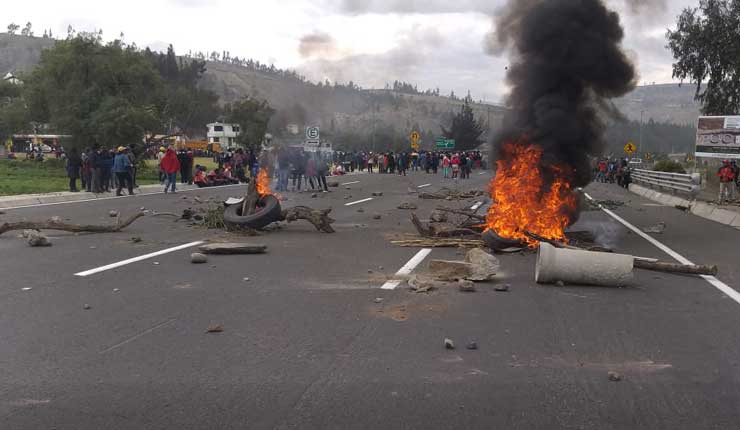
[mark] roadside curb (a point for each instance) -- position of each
(696, 207)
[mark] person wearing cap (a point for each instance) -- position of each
(160, 156)
(726, 182)
(122, 170)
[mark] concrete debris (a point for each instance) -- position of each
(424, 284)
(198, 258)
(447, 270)
(378, 300)
(472, 345)
(407, 206)
(55, 219)
(449, 344)
(215, 328)
(466, 286)
(27, 233)
(136, 239)
(485, 265)
(438, 216)
(378, 194)
(86, 306)
(502, 288)
(113, 214)
(377, 216)
(233, 248)
(615, 377)
(35, 239)
(658, 228)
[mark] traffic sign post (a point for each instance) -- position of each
(442, 143)
(630, 148)
(312, 133)
(414, 137)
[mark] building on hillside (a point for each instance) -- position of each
(222, 133)
(10, 77)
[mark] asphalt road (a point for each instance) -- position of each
(305, 345)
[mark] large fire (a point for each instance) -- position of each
(521, 204)
(263, 183)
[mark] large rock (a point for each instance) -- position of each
(445, 270)
(484, 264)
(198, 258)
(37, 239)
(233, 248)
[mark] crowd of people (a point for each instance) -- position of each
(453, 164)
(613, 171)
(729, 181)
(102, 170)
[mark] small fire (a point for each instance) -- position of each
(263, 183)
(520, 201)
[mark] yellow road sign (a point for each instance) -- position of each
(630, 148)
(415, 137)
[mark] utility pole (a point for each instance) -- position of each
(642, 112)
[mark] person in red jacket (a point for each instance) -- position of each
(170, 165)
(726, 182)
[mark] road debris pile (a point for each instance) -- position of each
(478, 266)
(450, 194)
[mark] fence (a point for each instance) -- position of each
(690, 184)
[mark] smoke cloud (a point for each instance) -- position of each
(317, 45)
(566, 63)
(637, 6)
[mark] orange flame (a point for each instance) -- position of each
(263, 183)
(520, 201)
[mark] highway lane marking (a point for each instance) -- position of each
(139, 258)
(37, 205)
(358, 202)
(407, 268)
(134, 337)
(476, 206)
(729, 291)
(350, 183)
(424, 186)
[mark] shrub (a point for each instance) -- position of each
(669, 166)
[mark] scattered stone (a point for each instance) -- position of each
(93, 247)
(378, 300)
(198, 258)
(369, 271)
(615, 377)
(333, 184)
(115, 290)
(472, 345)
(113, 214)
(377, 216)
(2, 212)
(156, 263)
(425, 284)
(347, 188)
(86, 306)
(55, 219)
(314, 195)
(449, 344)
(197, 199)
(27, 233)
(361, 210)
(198, 217)
(445, 270)
(378, 194)
(26, 289)
(560, 284)
(35, 239)
(484, 264)
(682, 208)
(184, 197)
(380, 267)
(142, 208)
(215, 328)
(658, 228)
(136, 239)
(466, 286)
(245, 279)
(438, 216)
(233, 248)
(347, 197)
(407, 206)
(502, 288)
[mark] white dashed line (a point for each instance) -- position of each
(729, 291)
(407, 268)
(476, 206)
(358, 202)
(424, 186)
(139, 258)
(350, 183)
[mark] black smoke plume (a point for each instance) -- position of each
(566, 63)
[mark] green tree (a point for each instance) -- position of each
(27, 30)
(465, 129)
(14, 116)
(13, 27)
(252, 115)
(99, 94)
(705, 46)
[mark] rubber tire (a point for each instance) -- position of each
(269, 212)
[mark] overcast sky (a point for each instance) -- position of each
(427, 42)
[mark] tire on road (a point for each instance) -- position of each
(268, 211)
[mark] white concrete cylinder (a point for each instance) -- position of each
(582, 267)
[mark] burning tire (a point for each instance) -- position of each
(268, 211)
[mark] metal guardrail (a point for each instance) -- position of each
(690, 184)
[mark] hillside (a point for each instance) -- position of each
(669, 103)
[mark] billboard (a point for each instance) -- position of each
(718, 137)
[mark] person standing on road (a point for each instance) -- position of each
(446, 166)
(170, 165)
(86, 171)
(74, 165)
(160, 156)
(122, 170)
(322, 169)
(726, 182)
(132, 158)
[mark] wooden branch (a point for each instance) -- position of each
(688, 269)
(439, 243)
(319, 218)
(460, 212)
(423, 231)
(249, 206)
(74, 228)
(442, 230)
